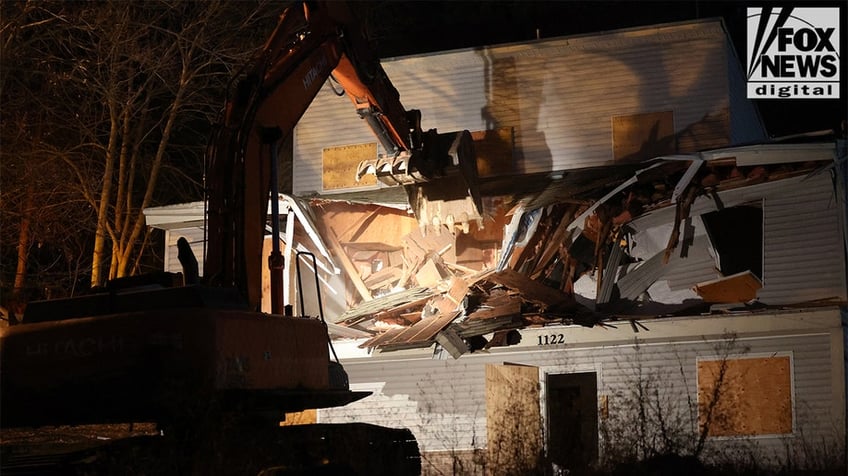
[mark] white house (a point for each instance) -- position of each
(699, 271)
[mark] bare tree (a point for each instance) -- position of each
(123, 95)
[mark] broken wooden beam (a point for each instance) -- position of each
(530, 290)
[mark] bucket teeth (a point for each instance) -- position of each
(440, 180)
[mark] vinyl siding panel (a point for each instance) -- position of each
(803, 247)
(558, 95)
(443, 401)
(746, 125)
(195, 237)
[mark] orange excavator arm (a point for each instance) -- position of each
(310, 43)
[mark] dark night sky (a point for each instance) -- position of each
(426, 26)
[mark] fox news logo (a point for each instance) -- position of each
(793, 53)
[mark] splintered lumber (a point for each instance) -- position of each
(681, 213)
(420, 333)
(438, 312)
(347, 264)
(442, 243)
(530, 290)
(401, 300)
(381, 339)
(384, 277)
(498, 304)
(553, 245)
(428, 273)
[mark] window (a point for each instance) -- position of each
(340, 165)
(745, 396)
(638, 137)
(736, 234)
(494, 149)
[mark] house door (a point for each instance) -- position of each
(572, 416)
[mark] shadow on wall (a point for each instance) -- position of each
(516, 105)
(662, 86)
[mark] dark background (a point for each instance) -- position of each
(405, 28)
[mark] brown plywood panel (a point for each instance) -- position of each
(754, 396)
(739, 287)
(513, 418)
(305, 417)
(643, 136)
(494, 150)
(712, 131)
(340, 166)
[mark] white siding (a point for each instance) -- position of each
(559, 95)
(194, 235)
(803, 246)
(443, 401)
(746, 124)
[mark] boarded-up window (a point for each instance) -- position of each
(493, 149)
(745, 397)
(340, 165)
(513, 418)
(643, 136)
(306, 417)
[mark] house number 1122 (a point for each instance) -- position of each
(551, 339)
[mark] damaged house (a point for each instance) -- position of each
(639, 270)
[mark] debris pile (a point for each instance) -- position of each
(557, 248)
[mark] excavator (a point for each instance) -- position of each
(195, 354)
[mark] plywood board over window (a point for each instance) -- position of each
(340, 165)
(745, 396)
(494, 149)
(638, 137)
(513, 418)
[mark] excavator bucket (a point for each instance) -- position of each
(440, 179)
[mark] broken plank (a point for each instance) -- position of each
(347, 264)
(681, 213)
(428, 273)
(499, 306)
(560, 234)
(389, 301)
(442, 243)
(382, 278)
(529, 289)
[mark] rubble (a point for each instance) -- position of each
(558, 248)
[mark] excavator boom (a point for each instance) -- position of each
(187, 354)
(311, 43)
